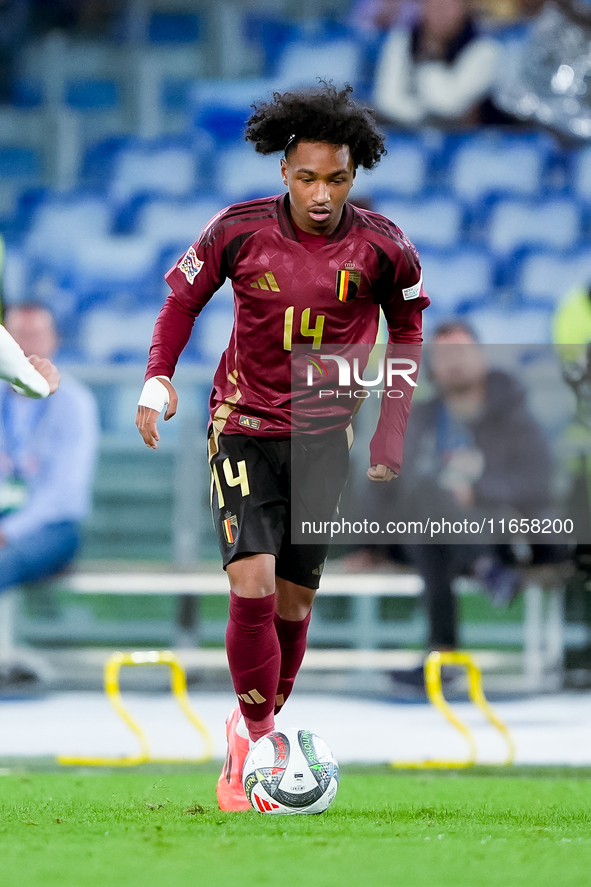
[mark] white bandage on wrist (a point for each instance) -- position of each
(154, 394)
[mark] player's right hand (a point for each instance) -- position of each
(147, 417)
(381, 473)
(49, 372)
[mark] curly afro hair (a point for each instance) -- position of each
(321, 114)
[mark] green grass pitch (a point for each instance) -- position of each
(160, 826)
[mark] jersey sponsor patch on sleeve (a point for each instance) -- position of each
(413, 292)
(190, 265)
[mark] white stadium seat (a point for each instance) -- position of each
(402, 171)
(489, 164)
(453, 277)
(15, 274)
(548, 276)
(303, 62)
(62, 226)
(119, 260)
(499, 326)
(106, 332)
(166, 221)
(214, 325)
(433, 222)
(242, 174)
(147, 169)
(582, 173)
(516, 223)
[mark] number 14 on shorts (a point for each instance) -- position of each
(233, 480)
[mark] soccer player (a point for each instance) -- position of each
(307, 268)
(33, 376)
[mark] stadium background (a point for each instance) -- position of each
(120, 136)
(119, 143)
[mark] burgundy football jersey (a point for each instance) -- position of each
(286, 295)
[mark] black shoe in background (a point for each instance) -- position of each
(502, 583)
(16, 678)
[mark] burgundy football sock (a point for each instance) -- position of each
(258, 729)
(292, 640)
(254, 656)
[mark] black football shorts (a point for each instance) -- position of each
(260, 484)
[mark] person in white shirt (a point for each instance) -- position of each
(48, 448)
(438, 70)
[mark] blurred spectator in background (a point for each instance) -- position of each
(439, 69)
(571, 324)
(47, 457)
(571, 332)
(472, 451)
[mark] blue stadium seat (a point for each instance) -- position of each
(581, 175)
(153, 168)
(112, 263)
(119, 327)
(222, 107)
(174, 27)
(497, 163)
(26, 92)
(99, 160)
(454, 277)
(269, 35)
(223, 122)
(303, 61)
(108, 333)
(554, 223)
(244, 175)
(213, 326)
(15, 273)
(93, 95)
(176, 93)
(272, 36)
(19, 163)
(165, 222)
(520, 326)
(548, 276)
(403, 171)
(431, 222)
(61, 228)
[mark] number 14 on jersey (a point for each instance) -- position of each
(315, 332)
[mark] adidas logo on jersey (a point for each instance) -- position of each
(266, 282)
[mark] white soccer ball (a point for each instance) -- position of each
(290, 771)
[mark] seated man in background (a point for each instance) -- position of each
(47, 456)
(474, 451)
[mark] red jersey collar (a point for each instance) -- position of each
(288, 229)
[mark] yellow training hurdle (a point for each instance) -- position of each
(178, 684)
(435, 695)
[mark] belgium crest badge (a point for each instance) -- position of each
(348, 281)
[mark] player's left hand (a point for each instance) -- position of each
(147, 418)
(381, 473)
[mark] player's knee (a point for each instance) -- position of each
(294, 602)
(252, 576)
